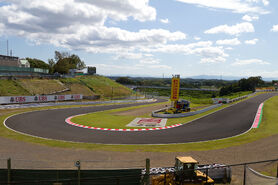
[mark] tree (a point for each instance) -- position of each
(125, 81)
(51, 64)
(76, 62)
(243, 84)
(62, 66)
(60, 55)
(63, 61)
(36, 63)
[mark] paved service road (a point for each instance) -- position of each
(51, 124)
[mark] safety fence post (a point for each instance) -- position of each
(78, 165)
(206, 175)
(244, 175)
(165, 178)
(9, 166)
(277, 171)
(148, 165)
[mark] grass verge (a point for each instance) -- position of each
(110, 118)
(267, 128)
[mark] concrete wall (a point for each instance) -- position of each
(155, 113)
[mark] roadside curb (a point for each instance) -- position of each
(258, 117)
(68, 120)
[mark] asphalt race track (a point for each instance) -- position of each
(51, 124)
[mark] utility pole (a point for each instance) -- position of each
(7, 47)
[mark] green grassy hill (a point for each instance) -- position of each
(41, 86)
(86, 85)
(105, 86)
(11, 88)
(76, 87)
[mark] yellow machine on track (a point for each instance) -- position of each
(186, 173)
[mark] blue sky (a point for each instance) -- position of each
(148, 38)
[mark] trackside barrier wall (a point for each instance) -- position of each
(156, 114)
(227, 100)
(38, 99)
(10, 106)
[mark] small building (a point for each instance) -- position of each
(9, 61)
(91, 70)
(24, 63)
(76, 72)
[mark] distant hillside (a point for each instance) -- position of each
(219, 77)
(86, 85)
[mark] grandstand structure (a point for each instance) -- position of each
(13, 66)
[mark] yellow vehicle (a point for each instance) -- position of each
(186, 173)
(180, 106)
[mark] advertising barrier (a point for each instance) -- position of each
(38, 98)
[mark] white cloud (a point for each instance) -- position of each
(232, 42)
(83, 27)
(203, 49)
(149, 61)
(274, 28)
(250, 18)
(265, 2)
(113, 67)
(236, 6)
(237, 29)
(197, 38)
(128, 55)
(165, 21)
(160, 67)
(121, 10)
(136, 69)
(249, 61)
(252, 42)
(267, 74)
(213, 60)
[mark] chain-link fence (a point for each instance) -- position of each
(70, 165)
(31, 172)
(253, 177)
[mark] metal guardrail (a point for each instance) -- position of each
(163, 87)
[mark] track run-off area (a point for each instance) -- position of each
(50, 124)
